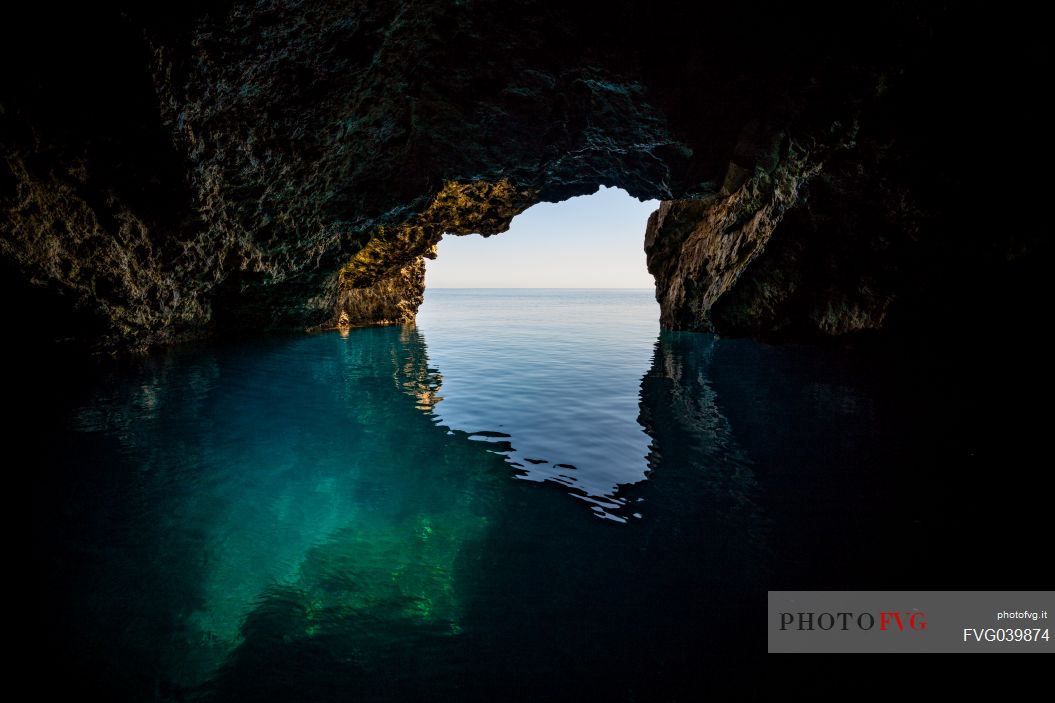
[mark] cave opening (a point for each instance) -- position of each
(590, 241)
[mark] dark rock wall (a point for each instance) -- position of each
(174, 171)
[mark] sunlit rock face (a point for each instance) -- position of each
(227, 167)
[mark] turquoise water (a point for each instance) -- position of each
(530, 495)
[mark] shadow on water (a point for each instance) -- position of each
(894, 469)
(110, 607)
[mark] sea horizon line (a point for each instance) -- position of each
(535, 288)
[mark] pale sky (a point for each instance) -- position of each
(594, 241)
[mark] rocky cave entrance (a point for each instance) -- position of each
(581, 241)
(590, 241)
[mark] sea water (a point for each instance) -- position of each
(529, 494)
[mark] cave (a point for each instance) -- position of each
(235, 167)
(215, 224)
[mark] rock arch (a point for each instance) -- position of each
(287, 164)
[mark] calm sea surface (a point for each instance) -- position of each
(529, 495)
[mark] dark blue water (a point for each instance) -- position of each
(530, 495)
(552, 378)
